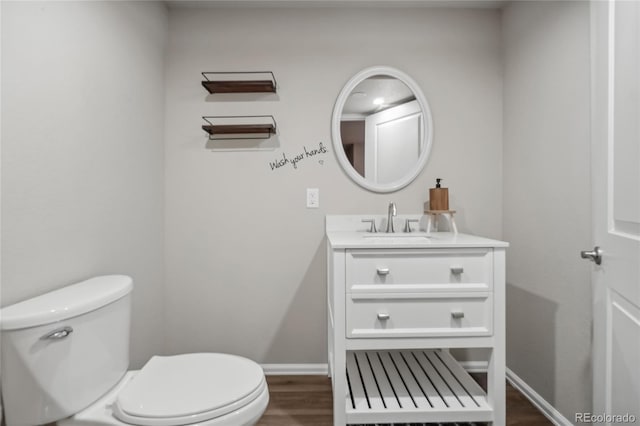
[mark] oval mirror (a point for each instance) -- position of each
(382, 129)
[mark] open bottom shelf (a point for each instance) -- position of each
(416, 386)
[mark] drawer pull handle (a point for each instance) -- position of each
(457, 314)
(383, 317)
(383, 271)
(457, 270)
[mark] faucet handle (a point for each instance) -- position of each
(407, 224)
(373, 224)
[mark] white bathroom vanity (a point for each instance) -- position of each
(397, 304)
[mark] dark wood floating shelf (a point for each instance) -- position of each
(258, 86)
(239, 82)
(238, 129)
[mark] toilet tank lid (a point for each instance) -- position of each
(67, 302)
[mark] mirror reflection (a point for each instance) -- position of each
(381, 127)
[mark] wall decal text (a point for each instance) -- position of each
(294, 160)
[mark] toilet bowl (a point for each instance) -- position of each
(65, 358)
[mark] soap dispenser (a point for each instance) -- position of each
(438, 197)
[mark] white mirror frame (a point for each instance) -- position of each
(427, 136)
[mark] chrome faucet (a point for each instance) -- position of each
(391, 214)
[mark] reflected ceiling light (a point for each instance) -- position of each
(378, 101)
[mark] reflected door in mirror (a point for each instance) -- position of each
(392, 142)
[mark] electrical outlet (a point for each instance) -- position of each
(313, 198)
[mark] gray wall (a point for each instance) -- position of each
(245, 259)
(82, 152)
(547, 200)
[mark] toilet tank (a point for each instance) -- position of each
(62, 350)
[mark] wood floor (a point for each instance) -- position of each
(306, 401)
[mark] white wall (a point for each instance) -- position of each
(82, 151)
(547, 216)
(245, 259)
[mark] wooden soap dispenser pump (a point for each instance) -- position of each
(438, 197)
(439, 205)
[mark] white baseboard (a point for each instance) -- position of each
(323, 369)
(293, 369)
(475, 366)
(538, 401)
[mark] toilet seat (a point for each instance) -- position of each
(190, 388)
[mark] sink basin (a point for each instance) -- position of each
(398, 235)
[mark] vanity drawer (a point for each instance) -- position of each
(409, 270)
(441, 316)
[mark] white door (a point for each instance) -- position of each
(616, 209)
(392, 142)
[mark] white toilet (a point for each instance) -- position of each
(65, 356)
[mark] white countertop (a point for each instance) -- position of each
(362, 239)
(348, 231)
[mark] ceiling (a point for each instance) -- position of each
(480, 4)
(389, 90)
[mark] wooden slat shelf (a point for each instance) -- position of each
(239, 82)
(412, 386)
